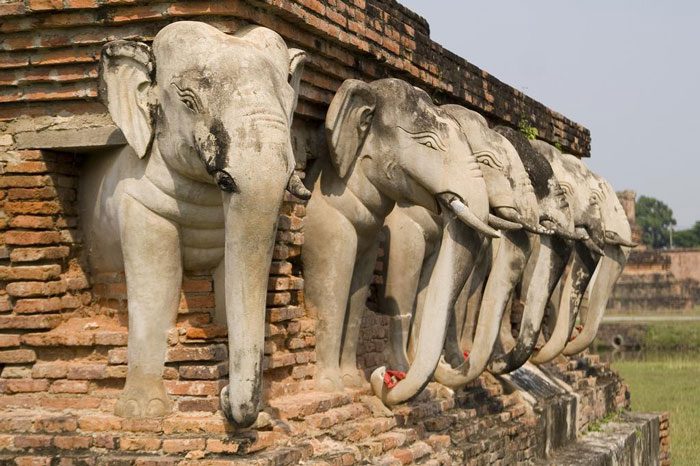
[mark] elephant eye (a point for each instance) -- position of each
(486, 158)
(189, 98)
(566, 187)
(427, 139)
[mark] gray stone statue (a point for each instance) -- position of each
(388, 143)
(413, 239)
(207, 117)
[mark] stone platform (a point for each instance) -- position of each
(528, 416)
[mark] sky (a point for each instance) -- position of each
(628, 70)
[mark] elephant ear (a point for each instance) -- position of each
(127, 72)
(297, 60)
(348, 121)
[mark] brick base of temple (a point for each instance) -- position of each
(532, 415)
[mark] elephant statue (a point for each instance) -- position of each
(547, 261)
(207, 118)
(585, 196)
(388, 143)
(489, 341)
(618, 244)
(412, 235)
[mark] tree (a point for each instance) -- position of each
(689, 238)
(654, 218)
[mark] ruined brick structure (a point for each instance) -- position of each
(664, 280)
(63, 330)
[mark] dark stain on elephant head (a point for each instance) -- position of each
(537, 167)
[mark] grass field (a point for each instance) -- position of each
(669, 382)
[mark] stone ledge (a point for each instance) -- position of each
(632, 438)
(73, 140)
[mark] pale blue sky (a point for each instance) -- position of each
(629, 70)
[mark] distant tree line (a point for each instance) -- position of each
(656, 220)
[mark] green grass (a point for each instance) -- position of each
(672, 336)
(669, 382)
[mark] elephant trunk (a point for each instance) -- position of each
(507, 268)
(550, 263)
(458, 250)
(601, 287)
(250, 217)
(575, 283)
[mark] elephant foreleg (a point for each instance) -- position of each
(153, 267)
(329, 255)
(359, 291)
(405, 251)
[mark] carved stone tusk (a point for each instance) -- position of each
(613, 238)
(467, 216)
(296, 187)
(561, 231)
(590, 244)
(503, 224)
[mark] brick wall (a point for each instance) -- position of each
(50, 48)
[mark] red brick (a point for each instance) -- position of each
(36, 272)
(33, 460)
(139, 443)
(194, 286)
(99, 423)
(32, 441)
(69, 386)
(39, 5)
(29, 322)
(204, 371)
(26, 238)
(209, 405)
(8, 340)
(31, 222)
(142, 425)
(181, 445)
(12, 8)
(19, 181)
(208, 332)
(17, 356)
(87, 371)
(197, 353)
(111, 338)
(72, 442)
(20, 194)
(50, 370)
(35, 254)
(38, 305)
(31, 289)
(228, 446)
(194, 388)
(34, 207)
(55, 424)
(25, 385)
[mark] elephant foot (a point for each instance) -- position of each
(329, 381)
(143, 397)
(352, 378)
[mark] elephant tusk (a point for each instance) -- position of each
(466, 216)
(561, 231)
(590, 244)
(503, 224)
(614, 239)
(515, 216)
(296, 187)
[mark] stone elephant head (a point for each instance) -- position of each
(388, 143)
(618, 243)
(412, 237)
(203, 110)
(482, 303)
